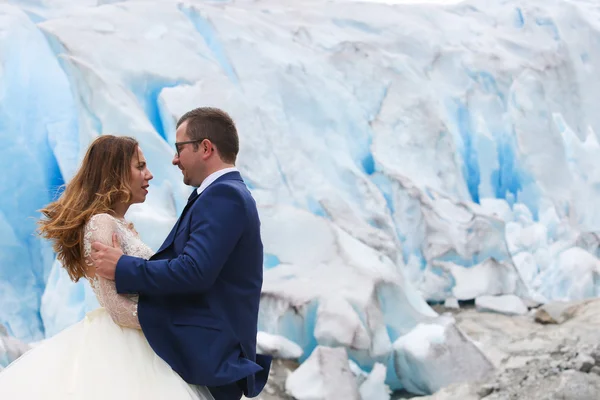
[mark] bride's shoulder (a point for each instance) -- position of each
(103, 215)
(101, 219)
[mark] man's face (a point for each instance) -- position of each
(190, 162)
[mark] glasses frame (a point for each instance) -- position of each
(177, 144)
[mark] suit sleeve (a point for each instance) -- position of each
(217, 222)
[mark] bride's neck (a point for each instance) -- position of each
(120, 209)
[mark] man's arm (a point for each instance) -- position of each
(217, 223)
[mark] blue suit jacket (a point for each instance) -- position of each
(199, 294)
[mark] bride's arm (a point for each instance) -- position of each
(122, 309)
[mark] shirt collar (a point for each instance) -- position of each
(213, 177)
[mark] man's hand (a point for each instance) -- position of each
(105, 258)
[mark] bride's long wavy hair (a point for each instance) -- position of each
(102, 181)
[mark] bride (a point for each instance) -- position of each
(104, 356)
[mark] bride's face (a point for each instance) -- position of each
(140, 178)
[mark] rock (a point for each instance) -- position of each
(487, 389)
(432, 356)
(595, 353)
(325, 375)
(550, 362)
(542, 317)
(575, 385)
(528, 384)
(584, 363)
(556, 312)
(595, 370)
(532, 301)
(275, 387)
(277, 346)
(459, 391)
(451, 302)
(507, 304)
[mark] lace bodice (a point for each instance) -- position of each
(122, 308)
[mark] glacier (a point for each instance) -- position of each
(400, 155)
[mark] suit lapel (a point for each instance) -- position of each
(169, 240)
(191, 200)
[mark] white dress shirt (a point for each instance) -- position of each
(213, 177)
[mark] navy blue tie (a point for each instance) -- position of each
(193, 195)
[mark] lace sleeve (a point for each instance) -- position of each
(122, 309)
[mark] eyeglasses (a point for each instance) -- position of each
(178, 145)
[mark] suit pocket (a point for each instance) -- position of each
(200, 320)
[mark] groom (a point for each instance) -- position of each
(199, 294)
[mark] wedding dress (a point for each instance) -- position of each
(105, 356)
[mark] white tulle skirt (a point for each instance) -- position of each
(95, 359)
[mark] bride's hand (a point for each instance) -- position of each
(105, 258)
